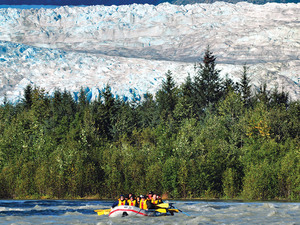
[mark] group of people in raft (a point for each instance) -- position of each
(143, 202)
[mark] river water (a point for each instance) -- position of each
(194, 212)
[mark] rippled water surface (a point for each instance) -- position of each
(195, 212)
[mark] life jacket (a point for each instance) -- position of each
(131, 203)
(143, 204)
(122, 202)
(155, 202)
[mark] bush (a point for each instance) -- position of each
(260, 181)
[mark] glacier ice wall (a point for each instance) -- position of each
(132, 46)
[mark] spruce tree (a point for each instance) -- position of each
(229, 85)
(147, 112)
(207, 86)
(245, 87)
(68, 104)
(263, 95)
(167, 96)
(109, 112)
(279, 98)
(187, 89)
(185, 105)
(83, 101)
(28, 92)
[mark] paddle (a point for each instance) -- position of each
(161, 210)
(183, 212)
(164, 208)
(163, 205)
(171, 205)
(173, 210)
(101, 212)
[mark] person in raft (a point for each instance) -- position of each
(121, 201)
(149, 204)
(126, 197)
(132, 201)
(138, 199)
(130, 194)
(155, 199)
(144, 203)
(159, 199)
(150, 194)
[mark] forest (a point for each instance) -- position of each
(206, 138)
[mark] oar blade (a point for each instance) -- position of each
(106, 212)
(101, 212)
(173, 210)
(161, 210)
(163, 205)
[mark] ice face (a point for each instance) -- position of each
(131, 47)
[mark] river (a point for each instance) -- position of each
(195, 212)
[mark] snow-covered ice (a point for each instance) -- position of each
(131, 47)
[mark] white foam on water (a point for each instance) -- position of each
(73, 214)
(38, 207)
(102, 223)
(269, 205)
(296, 207)
(273, 213)
(2, 209)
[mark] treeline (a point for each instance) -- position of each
(209, 137)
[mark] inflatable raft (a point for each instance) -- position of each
(163, 209)
(125, 210)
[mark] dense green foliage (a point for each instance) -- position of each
(206, 138)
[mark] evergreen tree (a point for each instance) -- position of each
(40, 104)
(228, 86)
(187, 88)
(207, 83)
(263, 95)
(68, 105)
(279, 98)
(167, 96)
(147, 112)
(108, 113)
(57, 103)
(185, 107)
(126, 121)
(27, 100)
(83, 101)
(245, 87)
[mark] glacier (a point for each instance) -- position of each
(131, 47)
